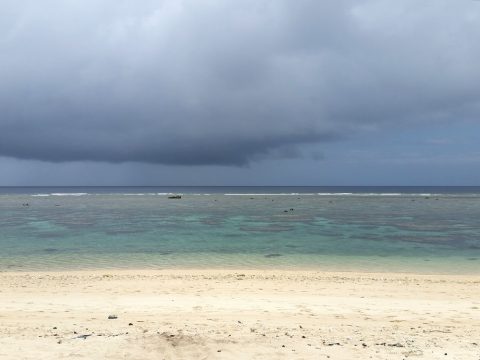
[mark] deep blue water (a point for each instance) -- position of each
(419, 229)
(454, 190)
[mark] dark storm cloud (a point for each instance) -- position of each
(227, 82)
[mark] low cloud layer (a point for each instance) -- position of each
(226, 82)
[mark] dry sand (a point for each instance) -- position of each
(254, 314)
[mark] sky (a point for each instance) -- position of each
(227, 92)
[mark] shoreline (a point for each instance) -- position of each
(255, 272)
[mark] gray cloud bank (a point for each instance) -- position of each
(224, 82)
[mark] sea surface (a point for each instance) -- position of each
(400, 229)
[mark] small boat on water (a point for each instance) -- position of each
(175, 197)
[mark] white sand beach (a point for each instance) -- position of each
(243, 314)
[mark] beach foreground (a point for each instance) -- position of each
(243, 314)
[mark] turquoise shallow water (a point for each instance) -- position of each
(371, 229)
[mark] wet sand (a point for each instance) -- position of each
(243, 314)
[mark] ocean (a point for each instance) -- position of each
(399, 229)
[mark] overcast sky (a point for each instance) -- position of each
(251, 92)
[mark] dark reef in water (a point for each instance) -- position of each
(272, 255)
